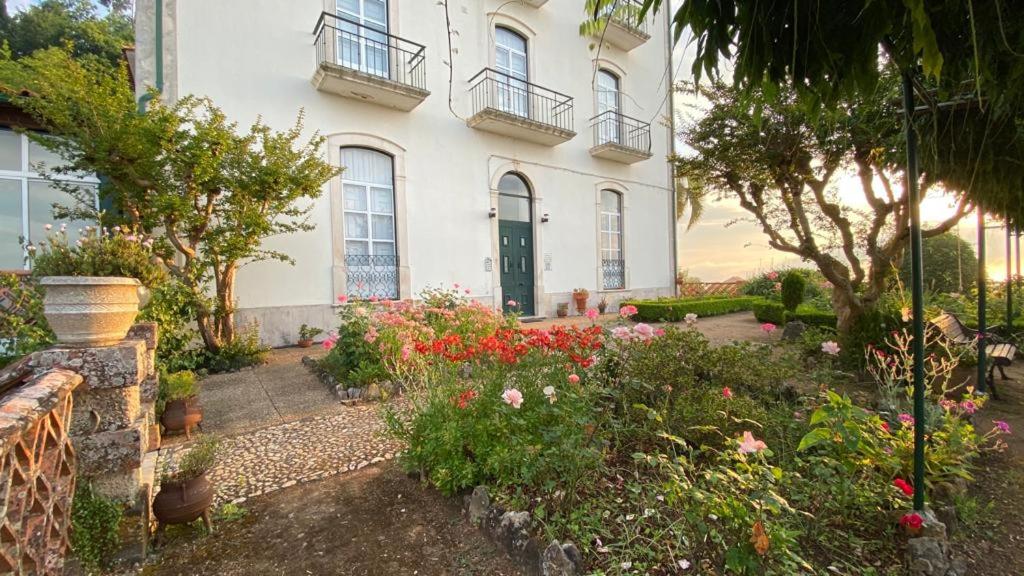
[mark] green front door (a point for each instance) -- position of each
(515, 240)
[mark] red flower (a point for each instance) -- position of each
(904, 486)
(912, 521)
(885, 426)
(463, 400)
(726, 392)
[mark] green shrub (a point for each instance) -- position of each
(793, 285)
(97, 254)
(94, 527)
(175, 386)
(196, 462)
(245, 350)
(812, 317)
(24, 330)
(172, 307)
(770, 312)
(676, 310)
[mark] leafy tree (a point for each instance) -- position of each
(949, 264)
(793, 285)
(779, 162)
(53, 23)
(182, 169)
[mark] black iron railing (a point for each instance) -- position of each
(355, 46)
(627, 13)
(491, 89)
(368, 276)
(613, 127)
(614, 274)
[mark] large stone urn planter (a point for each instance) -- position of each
(90, 310)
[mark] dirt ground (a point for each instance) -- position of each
(373, 522)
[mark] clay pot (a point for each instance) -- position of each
(182, 415)
(305, 343)
(183, 502)
(581, 301)
(562, 310)
(90, 310)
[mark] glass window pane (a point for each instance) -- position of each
(355, 198)
(365, 165)
(383, 201)
(514, 185)
(613, 225)
(513, 208)
(11, 255)
(38, 155)
(356, 225)
(350, 6)
(501, 59)
(10, 150)
(383, 227)
(41, 198)
(609, 201)
(518, 65)
(383, 249)
(354, 248)
(375, 10)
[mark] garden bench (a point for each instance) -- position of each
(999, 352)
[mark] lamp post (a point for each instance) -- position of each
(981, 384)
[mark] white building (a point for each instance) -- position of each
(534, 165)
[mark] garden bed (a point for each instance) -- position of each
(676, 310)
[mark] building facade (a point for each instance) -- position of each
(486, 143)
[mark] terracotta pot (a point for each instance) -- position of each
(562, 310)
(183, 502)
(90, 310)
(581, 301)
(182, 415)
(305, 343)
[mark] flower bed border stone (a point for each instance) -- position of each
(351, 395)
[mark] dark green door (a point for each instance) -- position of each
(515, 240)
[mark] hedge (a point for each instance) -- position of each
(775, 313)
(676, 310)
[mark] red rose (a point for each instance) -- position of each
(913, 521)
(903, 486)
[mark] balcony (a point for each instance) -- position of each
(363, 63)
(620, 138)
(506, 105)
(535, 3)
(623, 27)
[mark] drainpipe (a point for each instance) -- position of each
(158, 31)
(673, 217)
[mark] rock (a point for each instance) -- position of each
(514, 531)
(372, 392)
(947, 516)
(479, 504)
(927, 557)
(574, 554)
(932, 527)
(341, 393)
(793, 330)
(355, 393)
(555, 562)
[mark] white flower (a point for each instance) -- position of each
(830, 347)
(626, 565)
(512, 397)
(690, 319)
(630, 517)
(48, 227)
(549, 392)
(683, 564)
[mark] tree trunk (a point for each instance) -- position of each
(208, 332)
(225, 320)
(848, 308)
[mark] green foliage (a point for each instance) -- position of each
(793, 286)
(77, 23)
(171, 305)
(199, 459)
(309, 332)
(676, 310)
(23, 328)
(214, 190)
(770, 312)
(230, 512)
(243, 351)
(812, 317)
(175, 386)
(949, 264)
(94, 527)
(97, 253)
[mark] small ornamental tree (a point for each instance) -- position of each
(179, 170)
(793, 285)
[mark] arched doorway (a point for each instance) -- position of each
(515, 244)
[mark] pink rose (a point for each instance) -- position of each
(592, 314)
(574, 379)
(342, 299)
(512, 397)
(750, 445)
(627, 311)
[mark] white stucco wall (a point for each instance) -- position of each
(256, 58)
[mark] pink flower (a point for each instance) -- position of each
(726, 392)
(330, 341)
(622, 333)
(574, 379)
(406, 351)
(1001, 426)
(592, 314)
(342, 299)
(512, 397)
(512, 303)
(374, 298)
(371, 335)
(772, 275)
(466, 290)
(969, 406)
(627, 311)
(659, 332)
(830, 347)
(456, 285)
(644, 331)
(768, 327)
(906, 419)
(750, 445)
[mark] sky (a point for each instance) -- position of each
(16, 5)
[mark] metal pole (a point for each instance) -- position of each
(981, 385)
(1009, 282)
(917, 287)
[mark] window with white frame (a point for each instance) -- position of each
(27, 199)
(608, 107)
(511, 61)
(371, 248)
(612, 264)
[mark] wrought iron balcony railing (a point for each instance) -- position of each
(494, 90)
(627, 13)
(614, 274)
(613, 127)
(368, 276)
(354, 46)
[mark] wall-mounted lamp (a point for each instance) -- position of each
(492, 213)
(545, 217)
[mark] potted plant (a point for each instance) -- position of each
(562, 309)
(178, 403)
(307, 334)
(580, 296)
(92, 287)
(602, 306)
(186, 494)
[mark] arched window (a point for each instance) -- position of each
(612, 262)
(510, 59)
(371, 252)
(513, 198)
(608, 107)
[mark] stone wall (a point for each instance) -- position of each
(37, 473)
